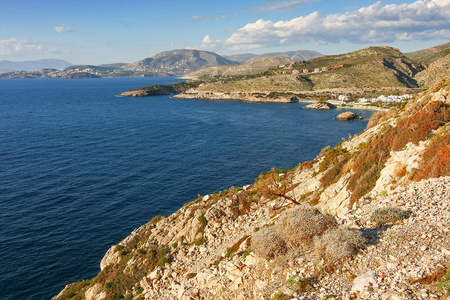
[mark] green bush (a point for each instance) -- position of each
(138, 289)
(128, 297)
(203, 220)
(444, 284)
(388, 215)
(164, 260)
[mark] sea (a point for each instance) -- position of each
(80, 168)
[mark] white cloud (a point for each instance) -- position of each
(208, 43)
(377, 23)
(207, 40)
(25, 47)
(206, 19)
(280, 6)
(61, 29)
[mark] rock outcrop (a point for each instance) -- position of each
(398, 224)
(320, 106)
(348, 115)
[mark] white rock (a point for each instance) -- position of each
(365, 280)
(95, 293)
(155, 274)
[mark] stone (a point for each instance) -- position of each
(364, 281)
(155, 274)
(96, 292)
(320, 106)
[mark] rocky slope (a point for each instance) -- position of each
(366, 219)
(295, 55)
(253, 67)
(424, 53)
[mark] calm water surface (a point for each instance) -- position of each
(81, 168)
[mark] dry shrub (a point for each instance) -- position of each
(388, 215)
(338, 245)
(268, 244)
(299, 225)
(400, 170)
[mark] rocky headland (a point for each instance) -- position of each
(320, 106)
(366, 219)
(348, 115)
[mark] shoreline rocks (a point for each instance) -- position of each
(320, 106)
(348, 115)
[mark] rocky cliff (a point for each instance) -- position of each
(366, 219)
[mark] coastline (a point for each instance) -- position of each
(250, 97)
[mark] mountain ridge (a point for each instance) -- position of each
(295, 55)
(178, 62)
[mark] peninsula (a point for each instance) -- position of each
(366, 73)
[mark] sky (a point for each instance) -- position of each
(111, 31)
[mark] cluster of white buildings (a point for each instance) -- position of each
(386, 99)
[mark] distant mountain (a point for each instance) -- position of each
(33, 65)
(295, 55)
(252, 67)
(178, 62)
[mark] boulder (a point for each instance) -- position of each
(348, 115)
(320, 106)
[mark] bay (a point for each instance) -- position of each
(81, 168)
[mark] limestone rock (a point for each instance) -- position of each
(97, 292)
(111, 257)
(364, 282)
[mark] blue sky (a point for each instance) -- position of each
(109, 31)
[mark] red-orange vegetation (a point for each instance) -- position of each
(435, 160)
(371, 160)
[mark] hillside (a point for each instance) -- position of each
(358, 73)
(437, 69)
(366, 219)
(295, 55)
(425, 54)
(178, 62)
(253, 67)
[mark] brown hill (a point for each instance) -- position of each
(422, 54)
(256, 66)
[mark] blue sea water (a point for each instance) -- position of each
(81, 168)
